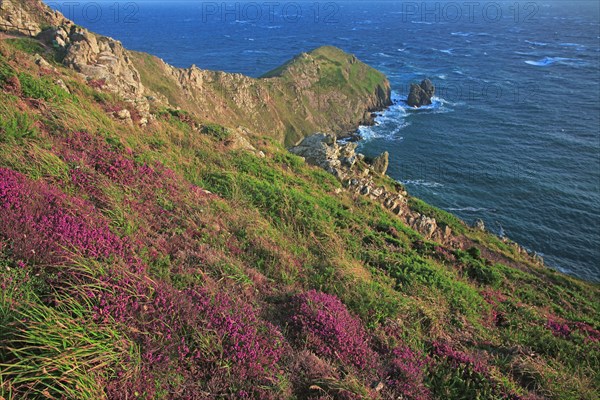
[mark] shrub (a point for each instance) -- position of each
(6, 71)
(16, 127)
(40, 88)
(217, 131)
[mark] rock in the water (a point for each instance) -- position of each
(420, 95)
(381, 163)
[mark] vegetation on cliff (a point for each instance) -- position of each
(175, 261)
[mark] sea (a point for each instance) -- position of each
(512, 137)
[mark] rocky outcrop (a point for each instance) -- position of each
(28, 17)
(381, 163)
(479, 225)
(100, 59)
(360, 177)
(420, 95)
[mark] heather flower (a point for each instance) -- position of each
(592, 335)
(558, 328)
(327, 328)
(406, 374)
(458, 359)
(42, 223)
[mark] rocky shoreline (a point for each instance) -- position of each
(360, 176)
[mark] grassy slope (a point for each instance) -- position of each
(121, 278)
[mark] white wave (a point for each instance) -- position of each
(472, 209)
(402, 50)
(463, 34)
(448, 51)
(536, 43)
(388, 124)
(547, 61)
(438, 105)
(383, 55)
(421, 182)
(442, 76)
(578, 47)
(422, 22)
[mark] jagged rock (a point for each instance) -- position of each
(124, 114)
(39, 60)
(425, 225)
(380, 163)
(420, 95)
(479, 225)
(28, 17)
(321, 150)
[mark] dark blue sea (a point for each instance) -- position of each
(513, 136)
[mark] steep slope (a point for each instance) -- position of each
(177, 260)
(324, 90)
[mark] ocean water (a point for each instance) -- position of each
(513, 136)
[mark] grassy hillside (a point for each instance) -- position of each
(323, 90)
(161, 263)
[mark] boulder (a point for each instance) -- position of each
(420, 95)
(479, 225)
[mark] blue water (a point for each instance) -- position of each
(513, 137)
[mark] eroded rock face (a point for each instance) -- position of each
(420, 95)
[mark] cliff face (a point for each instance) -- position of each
(325, 90)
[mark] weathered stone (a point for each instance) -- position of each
(479, 225)
(378, 191)
(380, 164)
(62, 85)
(124, 114)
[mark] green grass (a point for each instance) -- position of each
(27, 45)
(41, 88)
(16, 127)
